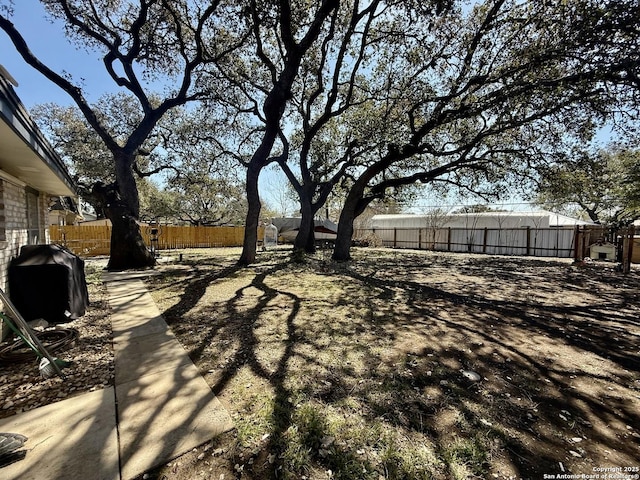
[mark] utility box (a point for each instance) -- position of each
(270, 236)
(604, 251)
(48, 281)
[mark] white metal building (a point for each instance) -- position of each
(538, 219)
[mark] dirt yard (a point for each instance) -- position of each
(400, 364)
(90, 351)
(410, 365)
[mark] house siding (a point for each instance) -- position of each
(30, 171)
(3, 219)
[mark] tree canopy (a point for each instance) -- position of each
(603, 183)
(155, 51)
(200, 184)
(471, 97)
(480, 96)
(260, 82)
(367, 95)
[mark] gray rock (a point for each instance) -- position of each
(471, 375)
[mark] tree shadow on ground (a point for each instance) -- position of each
(381, 348)
(566, 411)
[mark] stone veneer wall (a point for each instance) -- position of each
(14, 224)
(13, 227)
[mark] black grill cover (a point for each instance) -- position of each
(47, 281)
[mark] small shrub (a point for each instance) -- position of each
(368, 240)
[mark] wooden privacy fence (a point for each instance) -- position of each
(82, 240)
(539, 242)
(96, 240)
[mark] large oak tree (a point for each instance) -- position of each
(200, 184)
(332, 83)
(156, 51)
(474, 97)
(310, 66)
(261, 82)
(479, 94)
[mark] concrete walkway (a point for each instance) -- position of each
(160, 408)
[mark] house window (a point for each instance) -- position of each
(33, 217)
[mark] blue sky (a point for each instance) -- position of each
(48, 42)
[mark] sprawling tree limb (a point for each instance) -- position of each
(275, 103)
(489, 95)
(159, 35)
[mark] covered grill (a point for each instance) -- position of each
(48, 281)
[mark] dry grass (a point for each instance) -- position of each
(355, 370)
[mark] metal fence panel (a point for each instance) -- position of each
(540, 242)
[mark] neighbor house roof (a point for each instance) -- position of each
(292, 224)
(25, 154)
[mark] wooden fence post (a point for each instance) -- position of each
(528, 241)
(632, 232)
(484, 241)
(627, 249)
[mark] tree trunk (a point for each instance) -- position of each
(310, 247)
(128, 250)
(305, 239)
(253, 217)
(354, 205)
(342, 248)
(126, 182)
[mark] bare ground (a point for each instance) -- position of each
(91, 353)
(362, 370)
